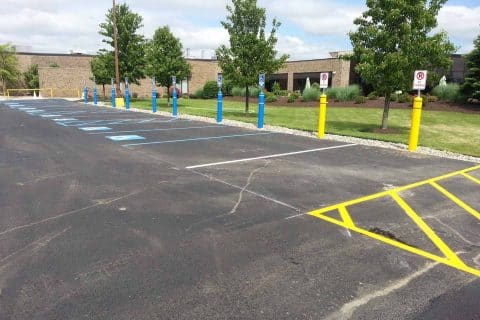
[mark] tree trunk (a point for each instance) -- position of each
(3, 86)
(104, 93)
(386, 109)
(168, 95)
(247, 99)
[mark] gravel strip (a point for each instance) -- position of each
(360, 141)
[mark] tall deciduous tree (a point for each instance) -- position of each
(131, 45)
(103, 69)
(164, 58)
(251, 51)
(471, 87)
(8, 66)
(393, 39)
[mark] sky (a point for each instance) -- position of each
(310, 28)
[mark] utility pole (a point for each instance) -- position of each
(115, 43)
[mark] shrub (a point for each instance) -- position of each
(198, 94)
(344, 94)
(134, 95)
(316, 85)
(282, 93)
(372, 96)
(360, 99)
(310, 94)
(270, 97)
(292, 98)
(210, 90)
(449, 93)
(276, 88)
(432, 98)
(238, 92)
(403, 98)
(253, 92)
(227, 87)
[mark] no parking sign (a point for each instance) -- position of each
(420, 80)
(324, 80)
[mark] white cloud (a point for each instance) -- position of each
(298, 49)
(461, 23)
(58, 25)
(318, 17)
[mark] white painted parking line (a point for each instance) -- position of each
(160, 129)
(97, 129)
(269, 156)
(64, 119)
(198, 139)
(125, 138)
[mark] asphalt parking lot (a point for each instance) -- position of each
(113, 214)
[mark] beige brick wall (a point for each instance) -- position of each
(74, 69)
(339, 66)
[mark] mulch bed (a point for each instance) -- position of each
(473, 108)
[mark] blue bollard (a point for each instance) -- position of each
(261, 109)
(85, 95)
(154, 100)
(127, 99)
(113, 97)
(175, 107)
(95, 96)
(219, 106)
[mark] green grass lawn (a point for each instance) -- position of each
(452, 131)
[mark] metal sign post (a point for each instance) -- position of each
(154, 95)
(219, 98)
(113, 94)
(127, 95)
(95, 101)
(322, 113)
(261, 101)
(85, 92)
(175, 107)
(419, 83)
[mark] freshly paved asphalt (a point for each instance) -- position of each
(92, 228)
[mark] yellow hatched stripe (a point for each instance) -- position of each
(451, 256)
(455, 199)
(400, 245)
(470, 177)
(346, 217)
(399, 189)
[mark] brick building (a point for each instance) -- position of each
(67, 73)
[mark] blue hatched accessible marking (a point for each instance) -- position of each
(26, 109)
(125, 138)
(197, 139)
(160, 129)
(96, 129)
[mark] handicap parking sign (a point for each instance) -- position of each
(261, 80)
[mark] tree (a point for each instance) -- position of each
(471, 86)
(8, 66)
(31, 77)
(251, 52)
(102, 67)
(164, 58)
(393, 39)
(131, 49)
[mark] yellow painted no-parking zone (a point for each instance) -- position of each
(449, 258)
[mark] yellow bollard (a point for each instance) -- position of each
(322, 116)
(416, 117)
